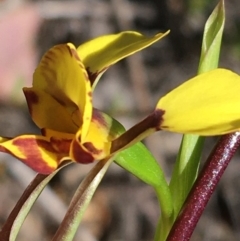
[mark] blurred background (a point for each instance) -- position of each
(123, 208)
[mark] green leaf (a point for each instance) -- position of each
(138, 160)
(80, 201)
(212, 38)
(16, 218)
(186, 167)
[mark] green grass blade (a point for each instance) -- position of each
(186, 167)
(138, 160)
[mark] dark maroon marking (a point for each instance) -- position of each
(98, 117)
(61, 102)
(33, 159)
(80, 155)
(154, 120)
(31, 98)
(61, 145)
(91, 148)
(32, 144)
(92, 76)
(3, 149)
(204, 187)
(59, 48)
(50, 72)
(73, 53)
(86, 75)
(49, 57)
(43, 131)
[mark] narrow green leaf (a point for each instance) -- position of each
(139, 161)
(80, 201)
(186, 167)
(212, 38)
(16, 218)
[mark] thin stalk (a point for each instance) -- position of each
(80, 201)
(7, 227)
(167, 215)
(204, 187)
(10, 229)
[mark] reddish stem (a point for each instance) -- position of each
(5, 231)
(204, 187)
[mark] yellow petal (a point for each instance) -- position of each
(208, 104)
(96, 145)
(47, 112)
(3, 139)
(62, 75)
(99, 53)
(35, 151)
(52, 133)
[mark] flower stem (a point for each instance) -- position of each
(10, 229)
(204, 187)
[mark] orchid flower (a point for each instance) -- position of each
(60, 103)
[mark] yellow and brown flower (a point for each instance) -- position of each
(60, 103)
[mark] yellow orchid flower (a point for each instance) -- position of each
(60, 103)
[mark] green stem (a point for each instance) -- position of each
(10, 229)
(167, 212)
(80, 201)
